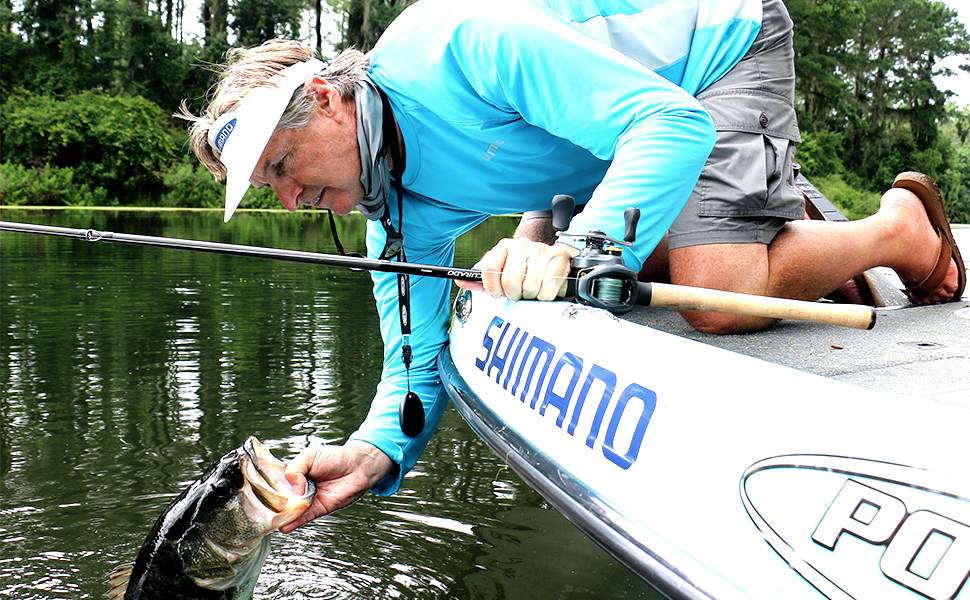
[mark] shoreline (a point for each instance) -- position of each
(238, 211)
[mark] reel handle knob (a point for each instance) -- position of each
(563, 206)
(631, 216)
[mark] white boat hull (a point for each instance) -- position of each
(710, 473)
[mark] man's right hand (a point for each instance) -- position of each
(519, 268)
(342, 474)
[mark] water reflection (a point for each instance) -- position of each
(125, 371)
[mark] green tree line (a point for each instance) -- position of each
(88, 88)
(867, 103)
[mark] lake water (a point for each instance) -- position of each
(125, 371)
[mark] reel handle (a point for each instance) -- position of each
(631, 216)
(563, 206)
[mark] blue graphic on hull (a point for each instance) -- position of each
(523, 360)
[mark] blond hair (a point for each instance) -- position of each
(249, 68)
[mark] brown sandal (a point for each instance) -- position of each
(929, 194)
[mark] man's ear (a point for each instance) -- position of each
(326, 96)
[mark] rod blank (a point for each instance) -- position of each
(332, 260)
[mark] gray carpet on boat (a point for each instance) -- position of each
(911, 351)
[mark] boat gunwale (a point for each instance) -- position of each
(585, 509)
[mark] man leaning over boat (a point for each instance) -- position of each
(464, 110)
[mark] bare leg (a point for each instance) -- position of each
(809, 259)
(732, 267)
(899, 236)
(849, 292)
(537, 229)
(657, 266)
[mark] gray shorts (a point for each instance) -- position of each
(746, 192)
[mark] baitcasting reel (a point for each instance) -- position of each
(598, 276)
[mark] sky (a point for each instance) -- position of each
(959, 84)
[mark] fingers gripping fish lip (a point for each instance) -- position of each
(266, 486)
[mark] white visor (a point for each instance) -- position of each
(240, 136)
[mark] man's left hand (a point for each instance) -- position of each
(521, 269)
(342, 474)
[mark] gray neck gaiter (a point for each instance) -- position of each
(374, 173)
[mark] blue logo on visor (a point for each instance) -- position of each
(224, 133)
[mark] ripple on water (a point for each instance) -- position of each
(34, 568)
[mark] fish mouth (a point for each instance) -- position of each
(269, 488)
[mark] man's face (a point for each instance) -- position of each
(318, 165)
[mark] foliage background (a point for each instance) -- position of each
(88, 87)
(867, 102)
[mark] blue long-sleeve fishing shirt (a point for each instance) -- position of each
(503, 104)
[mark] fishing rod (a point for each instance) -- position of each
(354, 263)
(598, 277)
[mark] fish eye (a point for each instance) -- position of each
(222, 487)
(234, 476)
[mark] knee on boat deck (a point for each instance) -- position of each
(725, 324)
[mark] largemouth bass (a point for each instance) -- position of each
(211, 541)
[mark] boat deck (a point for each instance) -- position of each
(913, 350)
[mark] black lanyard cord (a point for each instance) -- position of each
(394, 244)
(411, 411)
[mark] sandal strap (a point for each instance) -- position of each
(932, 281)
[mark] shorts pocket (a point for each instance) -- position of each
(749, 172)
(749, 175)
(733, 183)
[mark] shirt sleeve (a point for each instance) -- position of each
(525, 60)
(430, 311)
